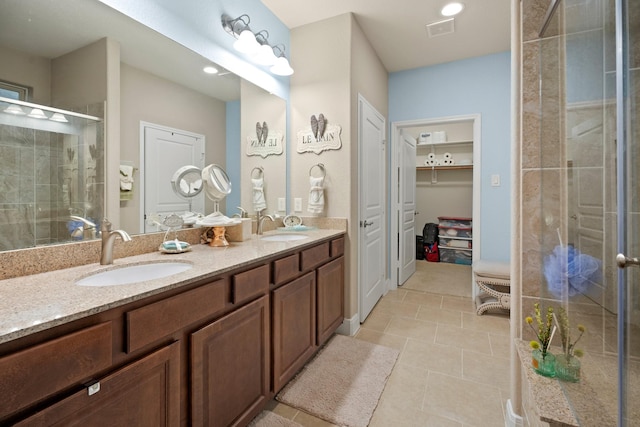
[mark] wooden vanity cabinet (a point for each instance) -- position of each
(145, 393)
(307, 310)
(230, 367)
(330, 299)
(294, 327)
(212, 352)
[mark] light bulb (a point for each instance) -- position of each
(14, 109)
(37, 113)
(282, 67)
(246, 42)
(452, 9)
(58, 117)
(265, 55)
(210, 69)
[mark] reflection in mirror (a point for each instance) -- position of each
(262, 191)
(50, 174)
(72, 55)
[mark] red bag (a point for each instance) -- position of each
(431, 252)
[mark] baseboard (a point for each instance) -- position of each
(512, 419)
(350, 326)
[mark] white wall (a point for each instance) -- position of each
(334, 62)
(145, 97)
(27, 70)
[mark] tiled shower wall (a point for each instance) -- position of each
(35, 198)
(568, 177)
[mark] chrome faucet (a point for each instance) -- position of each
(88, 229)
(108, 239)
(261, 219)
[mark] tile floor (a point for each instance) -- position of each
(453, 368)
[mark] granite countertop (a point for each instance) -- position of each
(34, 303)
(572, 404)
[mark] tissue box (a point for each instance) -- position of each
(240, 232)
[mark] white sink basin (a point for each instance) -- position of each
(284, 237)
(134, 273)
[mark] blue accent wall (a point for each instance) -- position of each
(232, 165)
(471, 86)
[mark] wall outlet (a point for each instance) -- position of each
(282, 205)
(495, 180)
(297, 204)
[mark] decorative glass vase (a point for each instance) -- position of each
(544, 365)
(568, 368)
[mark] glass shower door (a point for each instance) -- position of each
(627, 33)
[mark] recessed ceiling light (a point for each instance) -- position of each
(451, 9)
(210, 69)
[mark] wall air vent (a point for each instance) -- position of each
(440, 28)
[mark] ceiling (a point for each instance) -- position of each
(45, 29)
(397, 28)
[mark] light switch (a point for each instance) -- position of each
(495, 180)
(282, 206)
(297, 204)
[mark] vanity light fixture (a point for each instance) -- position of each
(264, 55)
(451, 9)
(37, 113)
(58, 117)
(14, 109)
(17, 107)
(281, 67)
(256, 45)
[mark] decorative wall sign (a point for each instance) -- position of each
(269, 143)
(319, 136)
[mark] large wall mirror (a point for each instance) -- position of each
(82, 56)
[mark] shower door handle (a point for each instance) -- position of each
(624, 262)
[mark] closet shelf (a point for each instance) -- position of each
(429, 144)
(440, 168)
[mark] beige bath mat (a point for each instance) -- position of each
(343, 383)
(271, 419)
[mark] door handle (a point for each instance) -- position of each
(364, 223)
(624, 262)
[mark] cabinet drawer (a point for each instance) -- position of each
(144, 393)
(313, 257)
(38, 372)
(154, 321)
(250, 284)
(286, 269)
(337, 247)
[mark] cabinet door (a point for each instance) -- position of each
(230, 367)
(294, 327)
(330, 298)
(144, 393)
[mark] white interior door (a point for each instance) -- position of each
(407, 193)
(372, 254)
(165, 151)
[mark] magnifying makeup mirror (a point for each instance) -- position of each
(187, 183)
(216, 182)
(216, 186)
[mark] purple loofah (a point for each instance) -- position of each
(567, 267)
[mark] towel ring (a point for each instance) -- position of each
(319, 166)
(260, 172)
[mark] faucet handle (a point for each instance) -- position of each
(106, 226)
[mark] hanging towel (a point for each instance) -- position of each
(316, 195)
(126, 178)
(259, 203)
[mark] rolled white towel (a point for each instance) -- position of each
(259, 202)
(126, 178)
(316, 195)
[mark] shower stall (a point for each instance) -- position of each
(589, 91)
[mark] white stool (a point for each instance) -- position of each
(493, 279)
